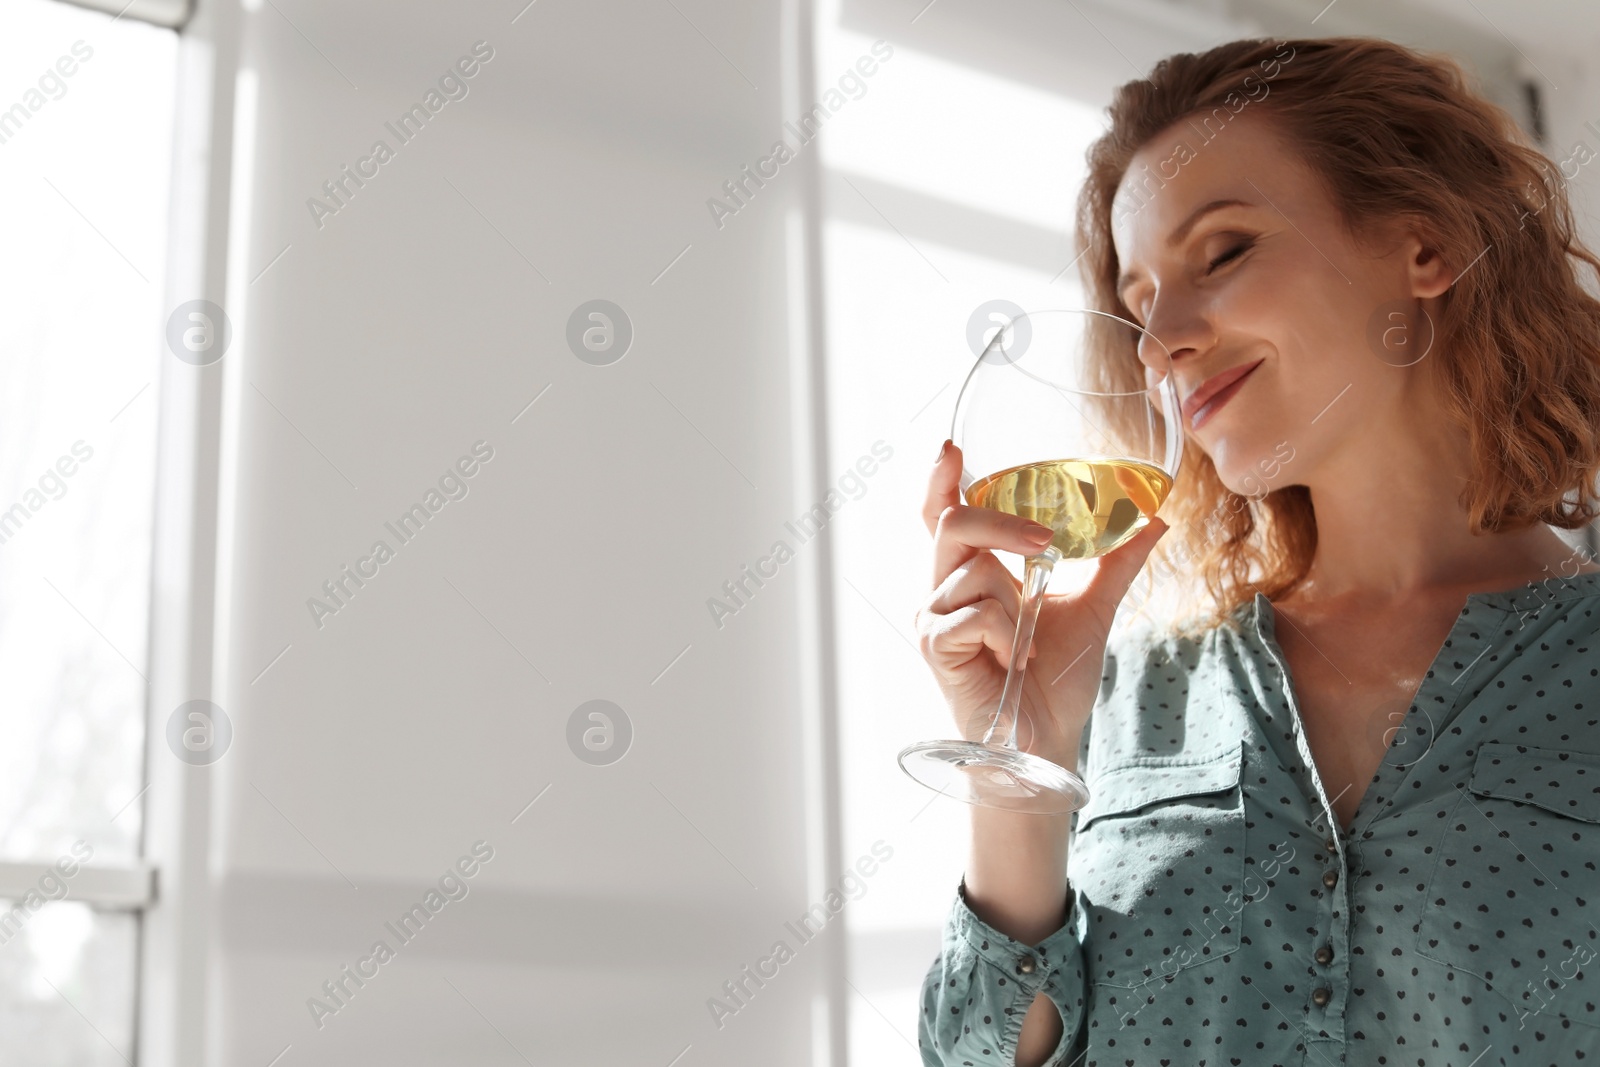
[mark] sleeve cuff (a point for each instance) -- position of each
(1027, 965)
(1002, 988)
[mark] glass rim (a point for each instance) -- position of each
(1167, 383)
(980, 360)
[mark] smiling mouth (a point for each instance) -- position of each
(1204, 412)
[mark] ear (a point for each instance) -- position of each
(1429, 274)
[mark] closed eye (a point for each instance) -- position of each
(1231, 254)
(1227, 257)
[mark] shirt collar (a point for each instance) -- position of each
(1529, 597)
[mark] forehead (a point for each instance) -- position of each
(1194, 162)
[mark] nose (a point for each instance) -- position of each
(1175, 332)
(1161, 359)
(1156, 355)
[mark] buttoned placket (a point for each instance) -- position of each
(1326, 993)
(1435, 704)
(1460, 659)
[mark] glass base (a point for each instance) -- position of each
(993, 776)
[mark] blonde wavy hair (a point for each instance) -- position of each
(1395, 136)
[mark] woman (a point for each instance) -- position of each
(1351, 813)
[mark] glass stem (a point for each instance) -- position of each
(1035, 576)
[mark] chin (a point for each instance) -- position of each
(1251, 465)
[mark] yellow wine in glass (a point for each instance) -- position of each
(1069, 418)
(1093, 505)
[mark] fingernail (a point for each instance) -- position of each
(942, 450)
(1035, 532)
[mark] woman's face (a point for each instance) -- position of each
(1234, 257)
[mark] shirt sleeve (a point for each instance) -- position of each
(979, 989)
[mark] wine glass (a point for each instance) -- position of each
(1070, 418)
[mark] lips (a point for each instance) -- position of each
(1214, 385)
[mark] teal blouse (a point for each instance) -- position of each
(1220, 916)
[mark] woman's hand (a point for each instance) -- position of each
(967, 625)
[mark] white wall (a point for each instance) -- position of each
(433, 707)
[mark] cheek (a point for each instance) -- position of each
(1241, 442)
(1284, 288)
(1312, 334)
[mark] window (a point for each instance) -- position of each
(85, 140)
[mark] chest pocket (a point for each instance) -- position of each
(1511, 897)
(1157, 862)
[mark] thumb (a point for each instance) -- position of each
(1118, 568)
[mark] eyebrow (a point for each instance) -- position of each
(1174, 239)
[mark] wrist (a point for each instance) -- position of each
(1063, 752)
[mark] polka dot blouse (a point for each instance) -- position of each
(1219, 915)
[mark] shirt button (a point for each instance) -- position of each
(1325, 955)
(1330, 878)
(1026, 966)
(1321, 996)
(1331, 847)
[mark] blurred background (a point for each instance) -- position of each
(459, 491)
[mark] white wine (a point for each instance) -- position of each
(1093, 505)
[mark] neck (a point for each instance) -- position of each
(1391, 526)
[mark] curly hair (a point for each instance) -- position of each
(1393, 135)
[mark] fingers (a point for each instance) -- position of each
(954, 639)
(943, 485)
(983, 576)
(960, 531)
(1118, 568)
(983, 579)
(963, 531)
